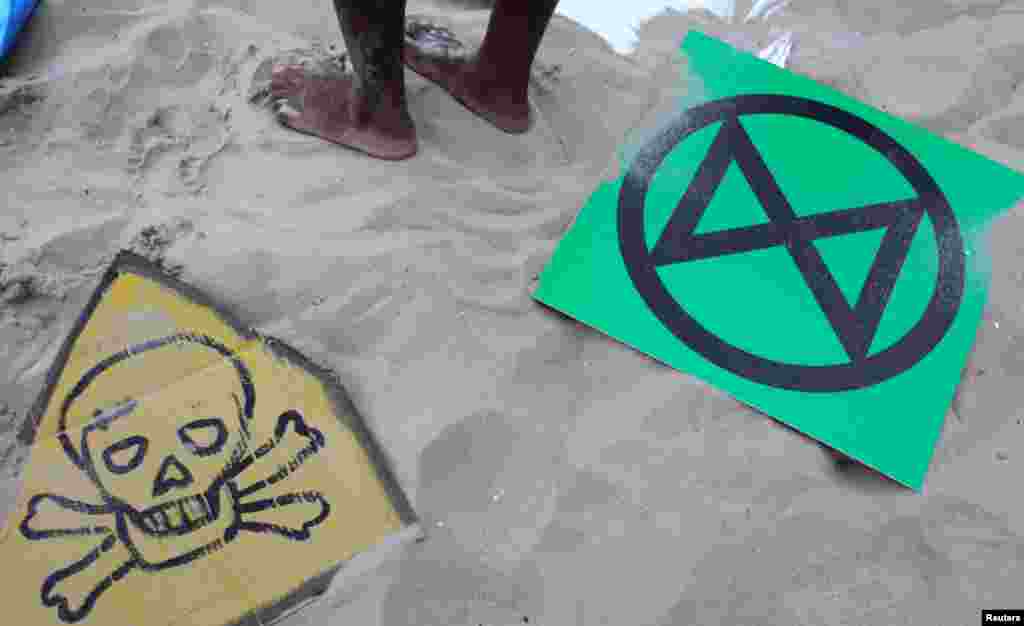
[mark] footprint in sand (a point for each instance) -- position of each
(175, 52)
(195, 134)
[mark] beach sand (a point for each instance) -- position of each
(563, 478)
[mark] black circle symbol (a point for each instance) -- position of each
(855, 326)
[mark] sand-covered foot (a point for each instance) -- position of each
(329, 108)
(435, 53)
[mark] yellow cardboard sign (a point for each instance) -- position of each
(186, 471)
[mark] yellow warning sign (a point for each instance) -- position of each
(185, 470)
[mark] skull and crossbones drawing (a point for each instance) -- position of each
(172, 506)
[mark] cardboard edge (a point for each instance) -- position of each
(124, 261)
(331, 582)
(30, 426)
(342, 404)
(903, 482)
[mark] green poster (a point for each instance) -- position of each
(814, 257)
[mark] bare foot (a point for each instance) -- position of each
(331, 108)
(435, 54)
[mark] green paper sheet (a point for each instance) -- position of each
(814, 257)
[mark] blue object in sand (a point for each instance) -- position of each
(13, 15)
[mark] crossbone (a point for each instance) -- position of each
(113, 553)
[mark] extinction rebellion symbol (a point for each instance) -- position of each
(854, 324)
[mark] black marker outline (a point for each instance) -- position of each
(162, 484)
(141, 445)
(206, 422)
(855, 327)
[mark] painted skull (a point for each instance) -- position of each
(164, 460)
